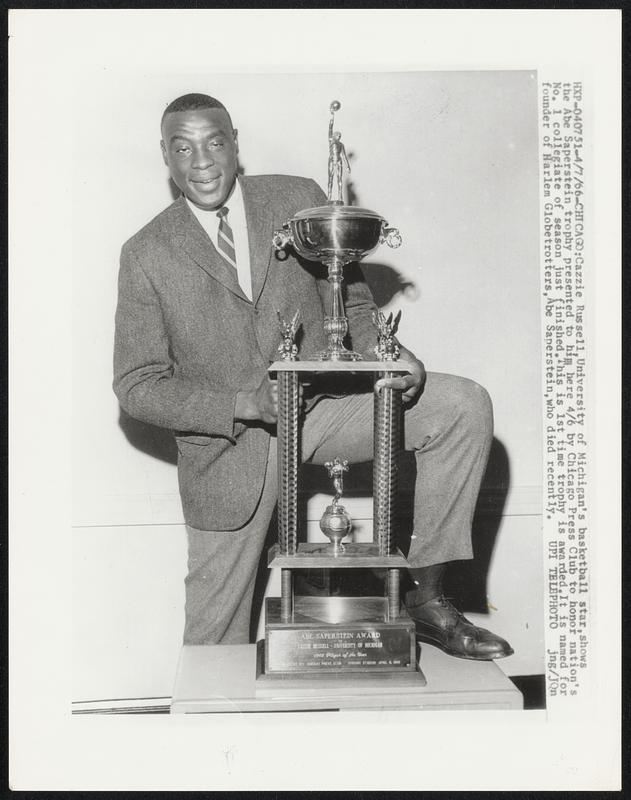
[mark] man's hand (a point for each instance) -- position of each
(261, 404)
(411, 383)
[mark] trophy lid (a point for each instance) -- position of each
(337, 211)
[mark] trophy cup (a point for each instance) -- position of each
(328, 638)
(336, 234)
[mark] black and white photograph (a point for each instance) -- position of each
(327, 422)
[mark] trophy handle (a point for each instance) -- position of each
(282, 237)
(390, 236)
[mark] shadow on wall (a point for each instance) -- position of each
(386, 283)
(466, 581)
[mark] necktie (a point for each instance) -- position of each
(225, 240)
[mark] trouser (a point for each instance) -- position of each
(449, 429)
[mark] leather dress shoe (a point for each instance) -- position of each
(439, 623)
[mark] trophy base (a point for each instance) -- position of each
(337, 636)
(331, 684)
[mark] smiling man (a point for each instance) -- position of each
(200, 148)
(196, 329)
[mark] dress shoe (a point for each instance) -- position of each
(439, 623)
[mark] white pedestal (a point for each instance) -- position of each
(222, 678)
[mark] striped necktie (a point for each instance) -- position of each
(225, 240)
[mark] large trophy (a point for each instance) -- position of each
(334, 637)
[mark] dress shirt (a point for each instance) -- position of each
(236, 219)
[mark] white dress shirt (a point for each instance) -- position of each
(236, 219)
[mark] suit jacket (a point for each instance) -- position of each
(187, 339)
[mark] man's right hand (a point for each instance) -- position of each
(261, 404)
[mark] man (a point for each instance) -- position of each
(196, 329)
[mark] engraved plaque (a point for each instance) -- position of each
(339, 649)
(361, 639)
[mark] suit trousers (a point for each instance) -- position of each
(449, 428)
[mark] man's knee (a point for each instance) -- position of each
(467, 404)
(472, 398)
(473, 406)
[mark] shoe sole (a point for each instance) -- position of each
(450, 652)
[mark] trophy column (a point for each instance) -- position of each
(288, 461)
(387, 431)
(288, 408)
(387, 436)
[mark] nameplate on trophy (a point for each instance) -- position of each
(313, 645)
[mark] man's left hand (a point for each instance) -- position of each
(411, 383)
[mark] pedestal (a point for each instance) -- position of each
(221, 679)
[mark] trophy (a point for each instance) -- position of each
(331, 637)
(336, 234)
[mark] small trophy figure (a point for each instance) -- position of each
(337, 157)
(336, 522)
(387, 348)
(287, 348)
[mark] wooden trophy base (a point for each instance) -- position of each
(330, 639)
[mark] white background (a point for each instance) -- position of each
(87, 88)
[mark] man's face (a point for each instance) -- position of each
(200, 149)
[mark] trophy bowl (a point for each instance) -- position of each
(336, 233)
(333, 231)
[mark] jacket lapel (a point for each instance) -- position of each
(260, 222)
(192, 238)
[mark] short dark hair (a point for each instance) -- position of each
(192, 102)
